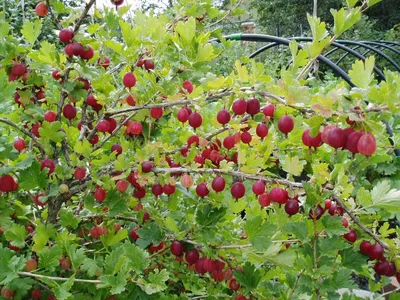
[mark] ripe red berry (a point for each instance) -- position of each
(80, 173)
(134, 236)
(195, 120)
(50, 116)
(116, 3)
(366, 144)
(269, 110)
(177, 248)
(278, 195)
(317, 213)
(36, 294)
(328, 204)
(258, 187)
(229, 142)
(391, 270)
(345, 222)
(94, 140)
(156, 113)
(49, 164)
(169, 189)
(194, 139)
(96, 232)
(68, 50)
(292, 207)
(192, 256)
(41, 9)
(19, 144)
(239, 107)
(31, 265)
(381, 267)
(121, 185)
(351, 236)
(134, 128)
(7, 293)
(77, 49)
(352, 141)
(238, 190)
(157, 190)
(148, 65)
(246, 137)
(66, 35)
(103, 126)
(188, 86)
(147, 166)
(223, 117)
(200, 265)
(139, 192)
(311, 141)
(7, 183)
(336, 138)
(104, 62)
(376, 251)
(253, 106)
(218, 184)
(183, 115)
(264, 200)
(100, 194)
(365, 248)
(88, 53)
(65, 263)
(55, 74)
(286, 124)
(18, 70)
(202, 190)
(234, 285)
(262, 130)
(129, 80)
(117, 148)
(69, 111)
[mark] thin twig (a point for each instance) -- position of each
(27, 133)
(83, 16)
(53, 16)
(225, 16)
(296, 283)
(358, 222)
(38, 276)
(147, 106)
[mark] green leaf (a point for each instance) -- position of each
(242, 72)
(33, 178)
(209, 216)
(127, 35)
(362, 73)
(90, 267)
(171, 224)
(31, 30)
(318, 28)
(186, 30)
(299, 230)
(352, 3)
(249, 278)
(115, 202)
(155, 282)
(137, 258)
(4, 29)
(113, 238)
(115, 261)
(83, 148)
(68, 219)
(342, 279)
(345, 19)
(117, 282)
(333, 225)
(372, 2)
(330, 246)
(315, 124)
(7, 91)
(16, 235)
(51, 131)
(62, 291)
(385, 197)
(259, 234)
(76, 255)
(353, 260)
(49, 258)
(149, 234)
(293, 165)
(42, 236)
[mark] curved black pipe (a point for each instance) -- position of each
(306, 39)
(381, 45)
(282, 41)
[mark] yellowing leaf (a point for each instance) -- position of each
(293, 165)
(362, 73)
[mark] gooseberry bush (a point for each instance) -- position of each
(130, 169)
